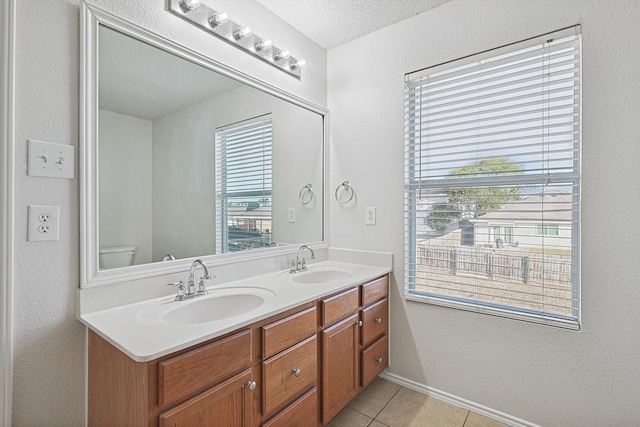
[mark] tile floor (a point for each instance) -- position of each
(385, 404)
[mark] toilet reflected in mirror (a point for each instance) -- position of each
(117, 256)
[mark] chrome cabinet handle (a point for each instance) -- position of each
(296, 372)
(378, 320)
(378, 359)
(359, 323)
(251, 385)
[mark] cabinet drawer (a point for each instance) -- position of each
(225, 405)
(185, 374)
(281, 385)
(375, 321)
(301, 413)
(374, 360)
(339, 306)
(375, 290)
(284, 333)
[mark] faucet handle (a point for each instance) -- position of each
(181, 289)
(201, 288)
(178, 283)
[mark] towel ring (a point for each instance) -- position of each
(345, 188)
(306, 190)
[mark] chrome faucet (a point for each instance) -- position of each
(190, 290)
(300, 263)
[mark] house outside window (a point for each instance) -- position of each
(493, 148)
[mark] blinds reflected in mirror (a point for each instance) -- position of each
(244, 185)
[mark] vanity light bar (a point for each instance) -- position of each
(219, 24)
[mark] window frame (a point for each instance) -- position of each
(412, 185)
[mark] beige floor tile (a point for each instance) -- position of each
(374, 423)
(349, 418)
(409, 408)
(374, 397)
(477, 420)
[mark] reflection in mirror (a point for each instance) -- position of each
(193, 163)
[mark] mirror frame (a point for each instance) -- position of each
(91, 17)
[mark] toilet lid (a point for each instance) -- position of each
(114, 249)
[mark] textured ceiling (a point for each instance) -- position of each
(140, 80)
(331, 23)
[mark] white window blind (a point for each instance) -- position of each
(244, 185)
(492, 182)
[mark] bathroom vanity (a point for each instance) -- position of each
(295, 360)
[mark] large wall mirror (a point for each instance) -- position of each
(184, 157)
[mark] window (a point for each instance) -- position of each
(492, 181)
(548, 229)
(244, 185)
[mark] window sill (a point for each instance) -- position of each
(494, 311)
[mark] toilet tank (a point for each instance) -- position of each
(116, 256)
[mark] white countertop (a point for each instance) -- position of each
(138, 331)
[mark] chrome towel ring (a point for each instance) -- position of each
(346, 188)
(306, 194)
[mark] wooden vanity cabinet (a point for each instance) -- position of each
(298, 368)
(355, 349)
(210, 385)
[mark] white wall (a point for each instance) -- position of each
(125, 183)
(184, 194)
(544, 375)
(49, 346)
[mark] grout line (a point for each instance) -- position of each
(385, 405)
(466, 418)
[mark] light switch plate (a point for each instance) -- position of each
(51, 160)
(291, 215)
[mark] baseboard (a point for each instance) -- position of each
(458, 401)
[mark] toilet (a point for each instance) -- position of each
(116, 256)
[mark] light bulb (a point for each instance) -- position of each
(281, 55)
(264, 44)
(297, 64)
(241, 33)
(190, 4)
(218, 19)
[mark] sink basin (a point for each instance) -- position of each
(212, 309)
(219, 304)
(321, 276)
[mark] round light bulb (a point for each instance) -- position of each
(264, 44)
(190, 4)
(298, 63)
(218, 19)
(242, 32)
(281, 55)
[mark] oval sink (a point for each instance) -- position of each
(321, 276)
(212, 309)
(219, 304)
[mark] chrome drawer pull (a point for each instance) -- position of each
(296, 372)
(378, 320)
(359, 323)
(251, 385)
(378, 359)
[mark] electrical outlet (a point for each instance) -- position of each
(291, 215)
(370, 216)
(43, 223)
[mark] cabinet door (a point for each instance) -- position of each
(226, 405)
(340, 366)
